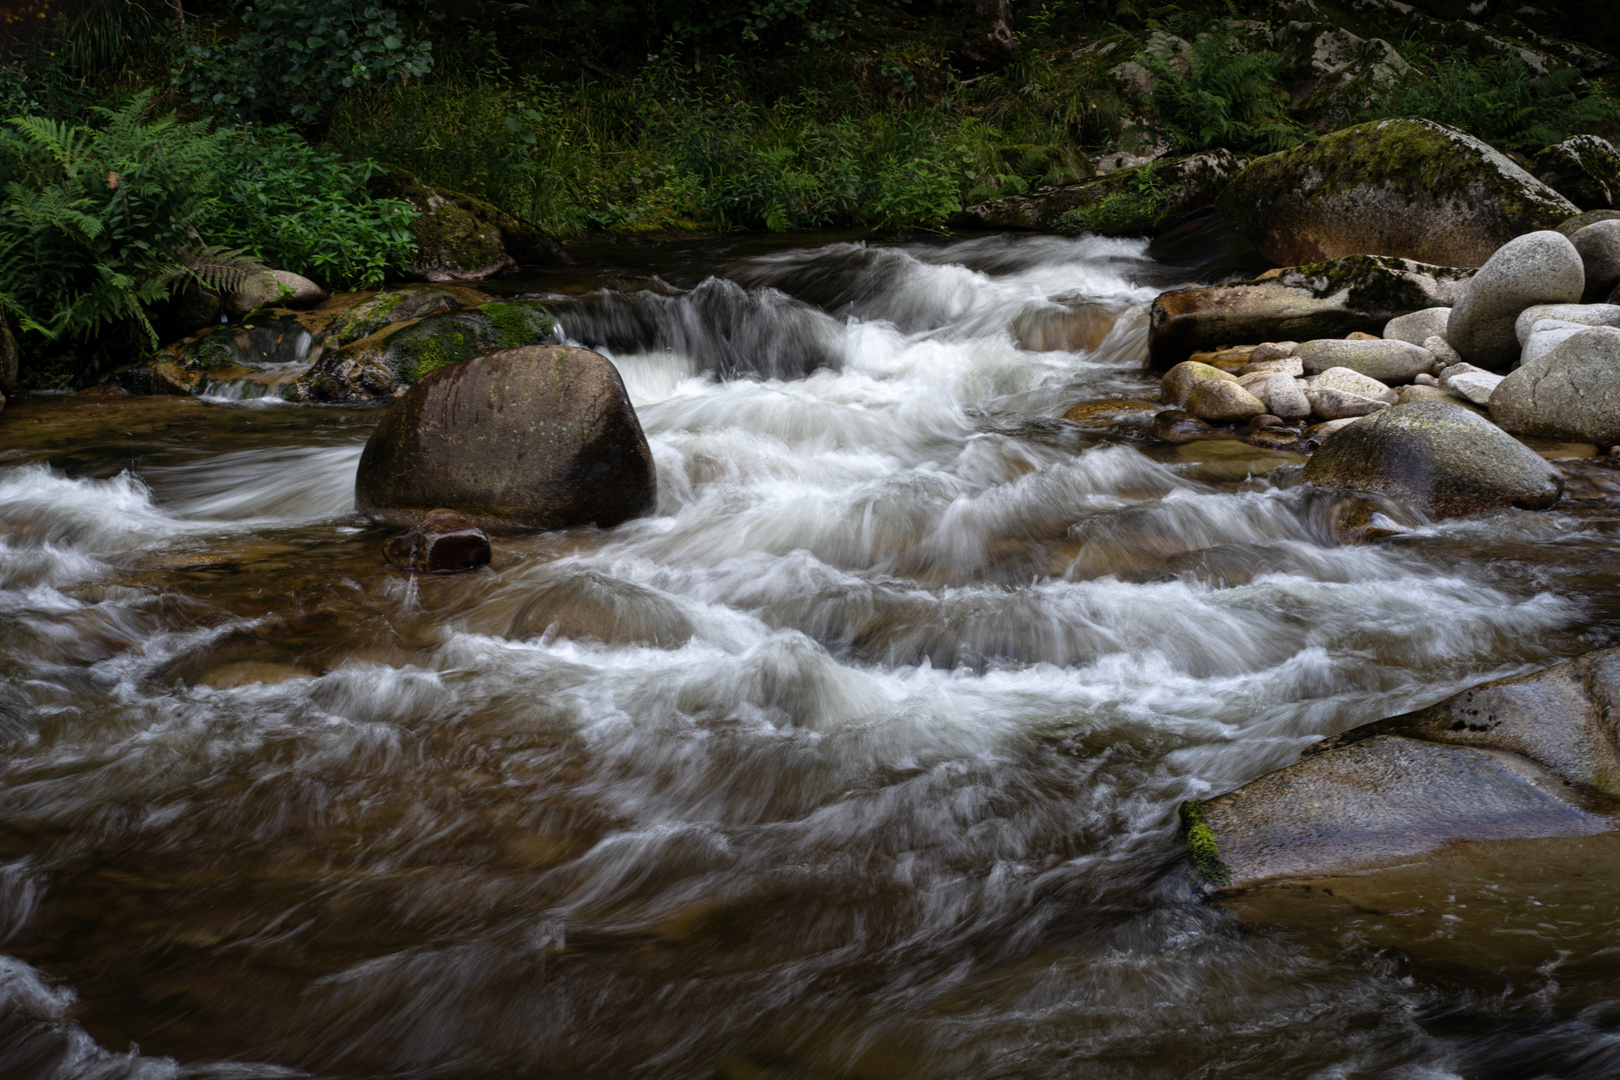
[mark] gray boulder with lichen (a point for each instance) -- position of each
(1408, 188)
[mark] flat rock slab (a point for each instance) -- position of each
(1380, 802)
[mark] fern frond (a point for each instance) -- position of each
(214, 266)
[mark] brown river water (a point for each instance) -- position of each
(859, 758)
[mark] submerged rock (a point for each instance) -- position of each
(443, 542)
(532, 438)
(1139, 201)
(1538, 268)
(1440, 459)
(1323, 300)
(1513, 758)
(1571, 392)
(1408, 188)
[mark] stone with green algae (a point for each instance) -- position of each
(1409, 188)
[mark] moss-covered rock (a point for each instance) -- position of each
(1322, 300)
(379, 367)
(1141, 201)
(1584, 169)
(1409, 188)
(460, 237)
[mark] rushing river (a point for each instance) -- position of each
(859, 758)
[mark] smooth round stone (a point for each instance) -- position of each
(1387, 361)
(1286, 397)
(1444, 354)
(1337, 405)
(1351, 382)
(1599, 246)
(1572, 392)
(1417, 327)
(1537, 268)
(1440, 459)
(1568, 314)
(1179, 381)
(1223, 402)
(1179, 426)
(541, 437)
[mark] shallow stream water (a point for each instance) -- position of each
(859, 758)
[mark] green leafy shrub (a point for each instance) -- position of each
(102, 222)
(1227, 97)
(293, 57)
(1123, 211)
(1496, 98)
(307, 210)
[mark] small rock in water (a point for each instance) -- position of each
(1439, 459)
(1389, 361)
(1178, 426)
(443, 542)
(1419, 326)
(1444, 354)
(1286, 398)
(1272, 350)
(1537, 268)
(1571, 392)
(1286, 365)
(1599, 247)
(1339, 404)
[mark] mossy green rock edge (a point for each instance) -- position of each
(1409, 188)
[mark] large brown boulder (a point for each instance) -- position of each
(1410, 188)
(542, 437)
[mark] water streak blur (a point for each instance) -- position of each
(859, 758)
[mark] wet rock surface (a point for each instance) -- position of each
(1439, 459)
(1534, 756)
(443, 542)
(531, 438)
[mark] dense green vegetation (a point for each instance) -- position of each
(640, 118)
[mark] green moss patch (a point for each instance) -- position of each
(1202, 850)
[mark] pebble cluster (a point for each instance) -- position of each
(1526, 345)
